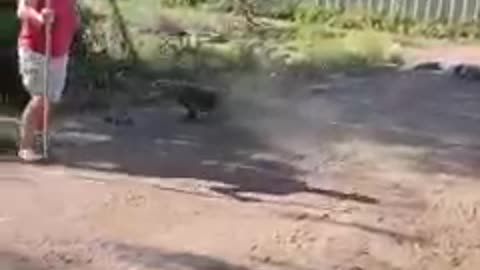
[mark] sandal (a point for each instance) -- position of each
(28, 155)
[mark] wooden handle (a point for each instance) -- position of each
(46, 86)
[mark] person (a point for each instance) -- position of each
(34, 15)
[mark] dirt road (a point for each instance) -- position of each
(369, 172)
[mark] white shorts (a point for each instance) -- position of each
(31, 68)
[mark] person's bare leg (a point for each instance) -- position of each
(29, 121)
(39, 116)
(27, 125)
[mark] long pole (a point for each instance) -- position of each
(46, 85)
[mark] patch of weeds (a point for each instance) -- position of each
(343, 50)
(371, 46)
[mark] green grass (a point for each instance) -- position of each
(294, 43)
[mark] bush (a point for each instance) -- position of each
(8, 27)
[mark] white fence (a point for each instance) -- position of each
(448, 10)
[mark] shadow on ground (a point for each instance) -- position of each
(230, 158)
(14, 261)
(156, 258)
(432, 119)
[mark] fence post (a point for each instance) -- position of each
(359, 5)
(476, 10)
(464, 13)
(392, 9)
(427, 12)
(352, 5)
(439, 12)
(326, 4)
(451, 15)
(415, 9)
(381, 6)
(404, 9)
(338, 5)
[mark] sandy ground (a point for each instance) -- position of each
(367, 172)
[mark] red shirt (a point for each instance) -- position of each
(32, 36)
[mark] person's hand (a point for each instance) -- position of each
(47, 16)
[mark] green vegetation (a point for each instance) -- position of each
(308, 12)
(8, 27)
(224, 41)
(145, 39)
